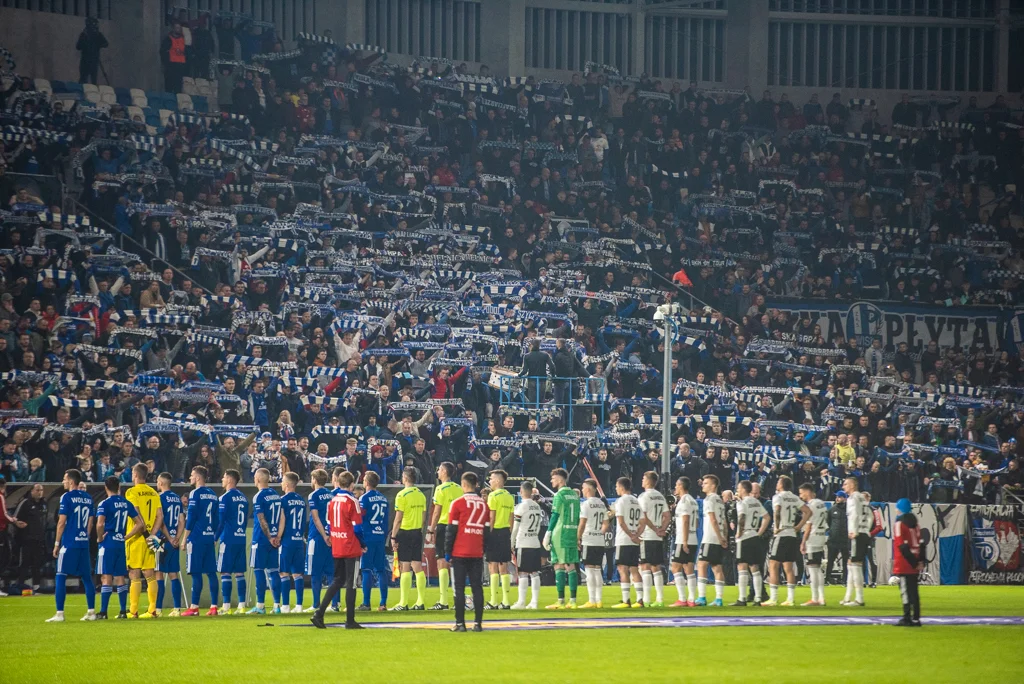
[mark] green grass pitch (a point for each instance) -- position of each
(239, 649)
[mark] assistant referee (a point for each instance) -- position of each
(407, 537)
(499, 542)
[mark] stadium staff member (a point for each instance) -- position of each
(908, 562)
(464, 550)
(344, 518)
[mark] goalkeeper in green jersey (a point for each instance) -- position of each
(561, 538)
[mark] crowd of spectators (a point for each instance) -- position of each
(358, 263)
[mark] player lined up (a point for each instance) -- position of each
(140, 535)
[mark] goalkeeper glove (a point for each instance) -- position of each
(547, 541)
(153, 543)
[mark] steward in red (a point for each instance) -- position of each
(345, 520)
(464, 549)
(908, 561)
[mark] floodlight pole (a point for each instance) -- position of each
(666, 409)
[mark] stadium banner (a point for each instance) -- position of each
(989, 326)
(996, 533)
(931, 518)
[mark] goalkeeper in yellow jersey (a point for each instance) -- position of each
(140, 549)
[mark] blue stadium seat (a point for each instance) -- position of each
(153, 120)
(124, 96)
(200, 104)
(59, 87)
(72, 87)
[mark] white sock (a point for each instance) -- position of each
(638, 587)
(535, 585)
(817, 590)
(624, 586)
(659, 586)
(647, 580)
(773, 592)
(297, 608)
(588, 575)
(226, 607)
(258, 605)
(598, 584)
(790, 592)
(758, 585)
(719, 590)
(851, 570)
(680, 580)
(742, 582)
(524, 584)
(858, 584)
(691, 587)
(702, 587)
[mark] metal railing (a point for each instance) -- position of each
(129, 244)
(566, 400)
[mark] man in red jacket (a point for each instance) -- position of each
(908, 561)
(345, 520)
(464, 550)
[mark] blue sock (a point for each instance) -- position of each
(105, 591)
(300, 589)
(197, 588)
(213, 588)
(225, 588)
(122, 597)
(160, 589)
(275, 586)
(240, 585)
(284, 590)
(367, 586)
(261, 586)
(60, 592)
(90, 591)
(176, 592)
(314, 582)
(383, 577)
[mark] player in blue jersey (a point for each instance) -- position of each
(234, 516)
(293, 543)
(168, 562)
(74, 522)
(113, 516)
(319, 561)
(266, 538)
(374, 529)
(201, 522)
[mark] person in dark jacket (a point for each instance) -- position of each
(30, 536)
(567, 368)
(838, 542)
(90, 42)
(536, 365)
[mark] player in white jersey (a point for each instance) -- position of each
(812, 546)
(653, 526)
(626, 515)
(590, 536)
(858, 524)
(789, 517)
(527, 520)
(751, 523)
(686, 544)
(714, 543)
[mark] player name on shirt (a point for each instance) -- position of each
(819, 525)
(786, 506)
(859, 519)
(594, 512)
(530, 517)
(749, 514)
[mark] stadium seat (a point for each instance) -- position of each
(108, 97)
(165, 114)
(134, 111)
(43, 85)
(140, 101)
(90, 88)
(58, 86)
(124, 96)
(136, 92)
(105, 89)
(202, 86)
(188, 86)
(184, 102)
(200, 104)
(153, 121)
(93, 96)
(73, 87)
